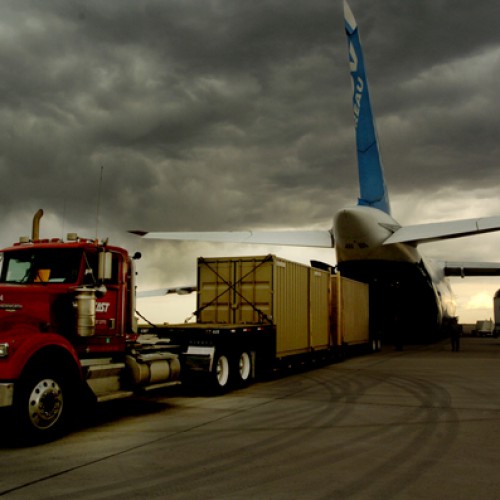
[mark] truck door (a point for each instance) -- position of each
(107, 307)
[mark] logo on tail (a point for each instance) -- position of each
(373, 191)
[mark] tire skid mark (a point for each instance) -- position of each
(426, 434)
(422, 429)
(239, 458)
(168, 437)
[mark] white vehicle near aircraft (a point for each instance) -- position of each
(409, 295)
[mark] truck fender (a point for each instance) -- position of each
(26, 346)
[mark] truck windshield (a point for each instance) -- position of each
(37, 265)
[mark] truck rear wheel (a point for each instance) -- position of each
(244, 367)
(221, 372)
(42, 405)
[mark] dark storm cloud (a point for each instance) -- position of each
(178, 101)
(228, 114)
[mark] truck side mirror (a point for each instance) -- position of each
(105, 270)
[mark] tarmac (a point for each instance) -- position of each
(419, 423)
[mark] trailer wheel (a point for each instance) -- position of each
(244, 367)
(376, 345)
(221, 372)
(42, 405)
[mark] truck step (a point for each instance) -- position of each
(148, 388)
(114, 395)
(105, 379)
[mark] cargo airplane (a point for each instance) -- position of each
(410, 296)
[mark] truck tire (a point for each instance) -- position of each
(244, 368)
(42, 405)
(221, 372)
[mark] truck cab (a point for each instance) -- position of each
(45, 284)
(68, 330)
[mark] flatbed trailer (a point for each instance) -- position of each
(256, 314)
(225, 355)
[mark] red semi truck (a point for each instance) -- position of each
(68, 332)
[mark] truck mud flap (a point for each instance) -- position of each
(199, 359)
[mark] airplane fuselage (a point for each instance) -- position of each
(407, 292)
(360, 232)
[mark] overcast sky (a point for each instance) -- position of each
(236, 114)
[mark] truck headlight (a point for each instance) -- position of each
(4, 350)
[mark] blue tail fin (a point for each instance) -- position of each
(373, 191)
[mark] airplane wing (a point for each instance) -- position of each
(464, 269)
(424, 233)
(179, 290)
(319, 239)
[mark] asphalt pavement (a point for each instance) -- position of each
(419, 423)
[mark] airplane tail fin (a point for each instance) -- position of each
(373, 191)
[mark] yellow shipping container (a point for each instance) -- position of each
(349, 311)
(319, 327)
(267, 289)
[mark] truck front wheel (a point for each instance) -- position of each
(41, 405)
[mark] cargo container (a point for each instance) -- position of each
(267, 290)
(349, 319)
(257, 313)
